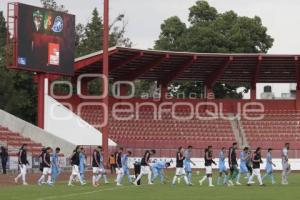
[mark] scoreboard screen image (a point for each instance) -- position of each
(46, 40)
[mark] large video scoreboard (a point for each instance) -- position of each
(45, 40)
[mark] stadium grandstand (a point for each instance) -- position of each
(166, 122)
(145, 127)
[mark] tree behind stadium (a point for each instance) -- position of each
(213, 32)
(17, 90)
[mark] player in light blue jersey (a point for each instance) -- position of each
(125, 168)
(222, 168)
(102, 170)
(187, 163)
(55, 165)
(158, 170)
(243, 165)
(269, 167)
(82, 162)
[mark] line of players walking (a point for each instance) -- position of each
(249, 166)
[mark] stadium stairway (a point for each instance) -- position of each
(14, 132)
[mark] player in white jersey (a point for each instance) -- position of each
(286, 167)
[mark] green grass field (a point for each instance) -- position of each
(156, 192)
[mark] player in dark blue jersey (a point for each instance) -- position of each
(145, 167)
(208, 158)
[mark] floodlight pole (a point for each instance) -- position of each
(105, 74)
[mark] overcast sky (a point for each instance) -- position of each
(144, 17)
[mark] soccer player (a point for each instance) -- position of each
(179, 167)
(222, 168)
(125, 168)
(102, 171)
(145, 167)
(233, 165)
(286, 167)
(22, 162)
(75, 167)
(256, 160)
(208, 157)
(43, 151)
(46, 163)
(119, 169)
(243, 165)
(158, 170)
(187, 163)
(269, 167)
(55, 169)
(82, 161)
(96, 166)
(249, 163)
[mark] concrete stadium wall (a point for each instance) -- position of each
(65, 124)
(35, 133)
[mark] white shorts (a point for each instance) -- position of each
(286, 166)
(46, 170)
(102, 170)
(256, 172)
(75, 170)
(208, 170)
(119, 171)
(96, 170)
(23, 168)
(145, 170)
(180, 171)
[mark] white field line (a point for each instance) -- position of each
(85, 193)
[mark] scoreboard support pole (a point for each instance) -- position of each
(41, 99)
(105, 130)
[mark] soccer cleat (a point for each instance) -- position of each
(39, 183)
(238, 183)
(211, 186)
(251, 182)
(118, 184)
(230, 183)
(150, 183)
(70, 184)
(262, 185)
(135, 183)
(200, 182)
(83, 183)
(227, 184)
(25, 183)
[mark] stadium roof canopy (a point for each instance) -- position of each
(165, 66)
